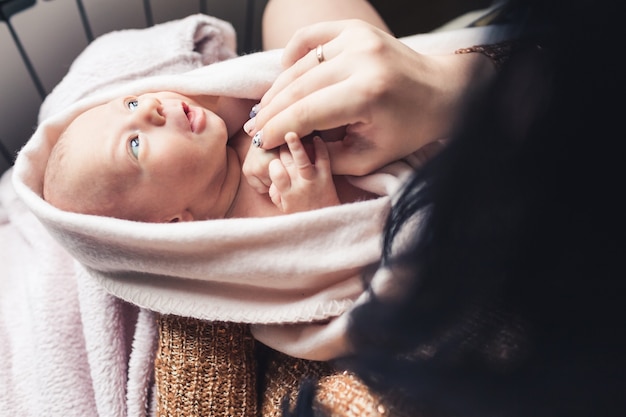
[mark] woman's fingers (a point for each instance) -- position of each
(327, 108)
(292, 88)
(306, 63)
(302, 78)
(308, 86)
(309, 37)
(301, 53)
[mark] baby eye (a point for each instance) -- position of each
(132, 104)
(133, 145)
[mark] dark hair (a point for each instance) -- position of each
(514, 303)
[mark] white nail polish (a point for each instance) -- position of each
(249, 125)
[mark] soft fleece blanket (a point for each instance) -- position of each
(77, 308)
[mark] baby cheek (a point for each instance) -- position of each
(194, 165)
(185, 168)
(190, 164)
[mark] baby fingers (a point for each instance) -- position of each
(276, 196)
(299, 156)
(280, 176)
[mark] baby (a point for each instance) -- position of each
(166, 157)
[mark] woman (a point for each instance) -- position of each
(512, 286)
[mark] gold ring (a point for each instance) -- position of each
(319, 52)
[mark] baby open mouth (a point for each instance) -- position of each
(195, 117)
(189, 114)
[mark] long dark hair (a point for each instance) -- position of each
(513, 299)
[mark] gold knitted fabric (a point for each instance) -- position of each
(338, 393)
(344, 394)
(282, 378)
(205, 369)
(209, 369)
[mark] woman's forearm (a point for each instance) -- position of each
(282, 18)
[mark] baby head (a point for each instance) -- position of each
(160, 157)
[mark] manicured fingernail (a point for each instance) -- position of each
(254, 111)
(257, 140)
(249, 125)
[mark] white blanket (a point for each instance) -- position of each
(300, 268)
(292, 277)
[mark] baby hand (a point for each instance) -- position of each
(297, 183)
(256, 168)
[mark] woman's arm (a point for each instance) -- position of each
(282, 18)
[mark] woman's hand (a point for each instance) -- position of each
(391, 100)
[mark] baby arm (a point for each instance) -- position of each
(297, 183)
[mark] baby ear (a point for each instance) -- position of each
(185, 216)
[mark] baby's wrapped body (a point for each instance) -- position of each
(291, 277)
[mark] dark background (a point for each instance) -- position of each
(408, 18)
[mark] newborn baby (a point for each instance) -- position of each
(166, 157)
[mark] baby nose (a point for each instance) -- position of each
(151, 111)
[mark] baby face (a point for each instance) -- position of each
(163, 156)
